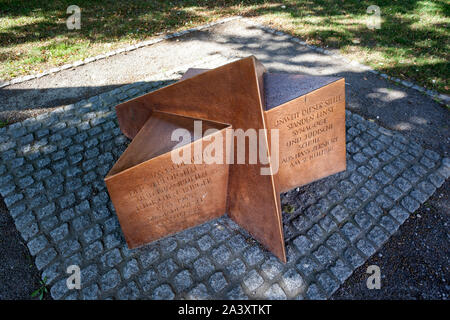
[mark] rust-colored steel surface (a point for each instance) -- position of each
(309, 113)
(155, 197)
(228, 94)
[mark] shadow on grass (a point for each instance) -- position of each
(406, 36)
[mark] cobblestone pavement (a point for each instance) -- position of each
(51, 178)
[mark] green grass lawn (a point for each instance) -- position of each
(412, 44)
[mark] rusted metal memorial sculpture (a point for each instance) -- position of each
(155, 197)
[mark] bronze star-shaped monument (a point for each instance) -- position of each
(155, 197)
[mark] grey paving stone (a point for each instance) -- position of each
(393, 192)
(148, 280)
(18, 210)
(253, 280)
(341, 271)
(111, 258)
(148, 258)
(112, 240)
(292, 282)
(385, 156)
(436, 179)
(327, 283)
(345, 187)
(44, 258)
(399, 163)
(221, 254)
(60, 233)
(237, 243)
(301, 223)
(323, 255)
(419, 196)
(130, 269)
(253, 255)
(356, 178)
(360, 158)
(80, 223)
(339, 213)
(336, 242)
(66, 201)
(402, 184)
(377, 236)
(37, 244)
(218, 282)
(316, 233)
(59, 289)
(271, 268)
(384, 201)
(111, 225)
(307, 266)
(47, 224)
(187, 255)
(203, 267)
(236, 268)
(14, 198)
(89, 273)
(91, 292)
(199, 292)
(110, 280)
(51, 272)
(432, 155)
(314, 293)
(93, 250)
(67, 215)
(129, 292)
(410, 204)
(374, 210)
(352, 204)
(314, 213)
(399, 214)
(366, 171)
(372, 185)
(365, 247)
(167, 268)
(236, 294)
(363, 194)
(205, 242)
(24, 220)
(182, 281)
(168, 245)
(382, 178)
(92, 234)
(303, 245)
(363, 220)
(350, 231)
(163, 292)
(29, 231)
(389, 224)
(427, 162)
(327, 224)
(334, 196)
(427, 187)
(419, 170)
(275, 293)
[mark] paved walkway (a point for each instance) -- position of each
(390, 105)
(52, 169)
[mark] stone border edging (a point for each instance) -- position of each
(114, 52)
(438, 97)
